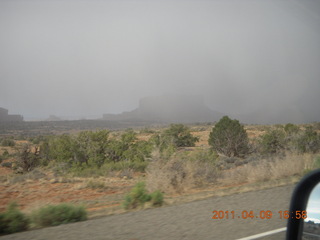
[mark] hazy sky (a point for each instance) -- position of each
(89, 57)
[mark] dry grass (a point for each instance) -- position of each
(269, 169)
(96, 184)
(178, 175)
(36, 174)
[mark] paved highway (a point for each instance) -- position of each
(186, 221)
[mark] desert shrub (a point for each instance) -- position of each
(147, 130)
(157, 198)
(12, 220)
(290, 128)
(229, 138)
(53, 215)
(123, 168)
(204, 155)
(127, 148)
(126, 173)
(5, 153)
(94, 184)
(180, 136)
(309, 141)
(91, 147)
(95, 150)
(7, 142)
(85, 171)
(60, 148)
(163, 146)
(181, 172)
(137, 197)
(272, 142)
(28, 158)
(44, 150)
(38, 139)
(177, 135)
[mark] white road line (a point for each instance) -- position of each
(264, 234)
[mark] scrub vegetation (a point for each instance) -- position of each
(13, 220)
(53, 215)
(139, 196)
(146, 166)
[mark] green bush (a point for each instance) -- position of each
(90, 151)
(107, 168)
(290, 128)
(8, 142)
(157, 198)
(272, 142)
(229, 138)
(53, 215)
(139, 196)
(12, 220)
(44, 152)
(5, 153)
(309, 141)
(180, 136)
(60, 148)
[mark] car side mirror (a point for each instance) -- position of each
(311, 225)
(304, 212)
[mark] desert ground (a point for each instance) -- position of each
(102, 195)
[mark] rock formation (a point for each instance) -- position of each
(169, 109)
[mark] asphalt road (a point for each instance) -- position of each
(186, 221)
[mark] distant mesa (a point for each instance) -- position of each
(5, 117)
(169, 109)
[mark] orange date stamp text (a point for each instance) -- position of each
(263, 214)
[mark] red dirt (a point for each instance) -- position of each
(31, 194)
(28, 194)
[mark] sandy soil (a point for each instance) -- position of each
(33, 193)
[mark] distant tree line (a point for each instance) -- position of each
(98, 149)
(228, 137)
